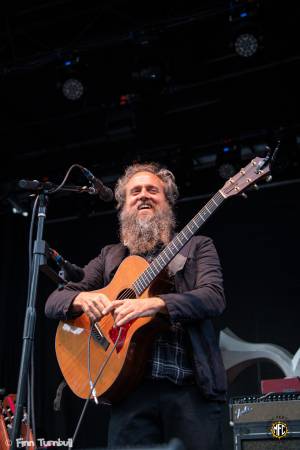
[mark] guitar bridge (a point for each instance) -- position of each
(99, 337)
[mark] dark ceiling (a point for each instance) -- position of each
(162, 81)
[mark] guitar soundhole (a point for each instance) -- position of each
(126, 293)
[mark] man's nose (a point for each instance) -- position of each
(144, 194)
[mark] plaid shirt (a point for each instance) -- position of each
(170, 357)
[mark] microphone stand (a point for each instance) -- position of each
(39, 257)
(39, 260)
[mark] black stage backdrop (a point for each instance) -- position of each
(258, 243)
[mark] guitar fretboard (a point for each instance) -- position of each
(177, 243)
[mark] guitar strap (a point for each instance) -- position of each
(116, 254)
(179, 260)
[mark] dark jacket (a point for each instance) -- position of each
(199, 297)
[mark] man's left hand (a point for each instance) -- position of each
(129, 309)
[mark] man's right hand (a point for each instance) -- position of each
(91, 303)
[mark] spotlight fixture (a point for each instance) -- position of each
(246, 45)
(16, 208)
(71, 76)
(72, 89)
(228, 159)
(246, 26)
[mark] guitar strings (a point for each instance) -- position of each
(124, 295)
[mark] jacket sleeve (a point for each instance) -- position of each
(206, 297)
(59, 302)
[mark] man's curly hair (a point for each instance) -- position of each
(167, 177)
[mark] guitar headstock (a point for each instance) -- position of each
(256, 170)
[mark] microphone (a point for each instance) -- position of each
(72, 272)
(34, 185)
(104, 192)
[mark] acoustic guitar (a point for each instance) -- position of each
(124, 350)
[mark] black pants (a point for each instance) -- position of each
(159, 410)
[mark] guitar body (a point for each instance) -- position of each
(124, 369)
(4, 437)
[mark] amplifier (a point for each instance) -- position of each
(265, 408)
(268, 422)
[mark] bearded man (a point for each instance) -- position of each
(184, 382)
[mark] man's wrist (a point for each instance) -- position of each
(161, 305)
(76, 305)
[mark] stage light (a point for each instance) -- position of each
(246, 45)
(16, 208)
(246, 27)
(72, 89)
(228, 159)
(71, 76)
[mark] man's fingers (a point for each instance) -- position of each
(121, 320)
(125, 313)
(90, 314)
(97, 306)
(112, 306)
(124, 310)
(96, 311)
(92, 309)
(103, 300)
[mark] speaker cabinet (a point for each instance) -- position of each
(258, 437)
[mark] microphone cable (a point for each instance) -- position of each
(56, 189)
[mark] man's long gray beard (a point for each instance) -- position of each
(142, 234)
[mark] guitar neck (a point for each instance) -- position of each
(177, 243)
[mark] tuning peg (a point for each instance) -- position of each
(269, 178)
(255, 187)
(245, 196)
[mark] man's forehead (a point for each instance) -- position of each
(144, 178)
